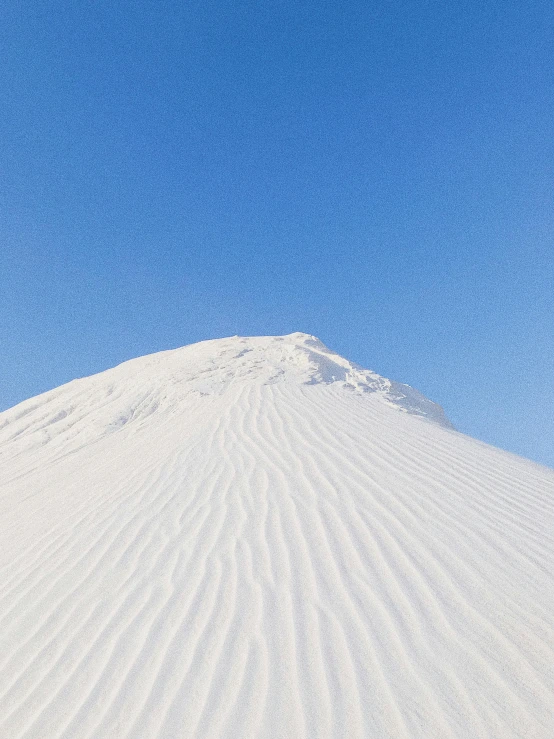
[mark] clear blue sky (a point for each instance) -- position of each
(379, 174)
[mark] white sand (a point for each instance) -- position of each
(253, 538)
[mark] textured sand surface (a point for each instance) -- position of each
(254, 538)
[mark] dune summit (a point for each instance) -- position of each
(254, 537)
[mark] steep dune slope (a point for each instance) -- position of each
(256, 538)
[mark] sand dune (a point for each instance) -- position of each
(256, 538)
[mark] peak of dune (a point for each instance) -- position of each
(170, 382)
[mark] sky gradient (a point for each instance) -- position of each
(377, 174)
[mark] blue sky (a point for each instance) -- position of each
(379, 174)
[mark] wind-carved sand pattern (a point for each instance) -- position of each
(255, 538)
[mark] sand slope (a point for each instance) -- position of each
(255, 538)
